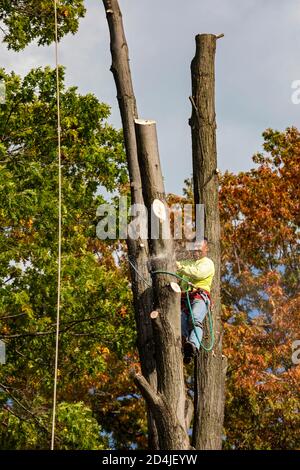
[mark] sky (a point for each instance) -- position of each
(256, 63)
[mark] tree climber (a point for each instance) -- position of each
(200, 274)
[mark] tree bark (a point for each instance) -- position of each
(209, 367)
(168, 404)
(137, 249)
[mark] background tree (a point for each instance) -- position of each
(259, 212)
(260, 261)
(96, 320)
(24, 21)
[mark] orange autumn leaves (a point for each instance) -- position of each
(259, 212)
(260, 261)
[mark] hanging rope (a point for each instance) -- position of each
(140, 276)
(59, 228)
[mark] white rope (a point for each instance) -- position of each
(59, 228)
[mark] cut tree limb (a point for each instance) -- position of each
(171, 421)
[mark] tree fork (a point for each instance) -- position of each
(172, 434)
(209, 367)
(137, 249)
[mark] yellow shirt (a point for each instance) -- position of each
(200, 273)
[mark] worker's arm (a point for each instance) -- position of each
(199, 270)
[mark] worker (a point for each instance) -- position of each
(200, 274)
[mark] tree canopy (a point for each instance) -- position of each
(260, 220)
(96, 318)
(24, 21)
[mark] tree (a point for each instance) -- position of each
(169, 403)
(96, 315)
(18, 24)
(24, 21)
(260, 288)
(210, 368)
(137, 249)
(166, 401)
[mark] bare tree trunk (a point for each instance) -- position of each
(209, 369)
(168, 404)
(137, 249)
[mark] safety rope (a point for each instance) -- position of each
(140, 276)
(59, 228)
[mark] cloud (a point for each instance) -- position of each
(257, 61)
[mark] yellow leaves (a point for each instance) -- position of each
(26, 223)
(28, 310)
(123, 311)
(5, 330)
(18, 234)
(62, 10)
(100, 350)
(10, 379)
(91, 285)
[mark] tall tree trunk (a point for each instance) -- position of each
(209, 367)
(137, 249)
(168, 404)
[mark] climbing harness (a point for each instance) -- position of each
(203, 295)
(190, 310)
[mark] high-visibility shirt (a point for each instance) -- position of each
(200, 272)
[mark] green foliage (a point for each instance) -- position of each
(27, 20)
(96, 315)
(76, 428)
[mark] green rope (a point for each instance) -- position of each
(211, 328)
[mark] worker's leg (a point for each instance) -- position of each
(184, 324)
(199, 308)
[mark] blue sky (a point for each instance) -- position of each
(256, 63)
